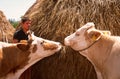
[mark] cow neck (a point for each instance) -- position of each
(89, 45)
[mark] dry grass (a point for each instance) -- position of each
(6, 29)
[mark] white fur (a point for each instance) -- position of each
(103, 54)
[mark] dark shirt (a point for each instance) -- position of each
(20, 35)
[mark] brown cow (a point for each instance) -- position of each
(16, 58)
(101, 49)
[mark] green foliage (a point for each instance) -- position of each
(14, 23)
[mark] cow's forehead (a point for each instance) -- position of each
(86, 26)
(80, 29)
(37, 39)
(89, 24)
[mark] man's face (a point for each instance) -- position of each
(26, 25)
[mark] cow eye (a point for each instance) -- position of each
(42, 42)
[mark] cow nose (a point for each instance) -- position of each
(66, 42)
(59, 44)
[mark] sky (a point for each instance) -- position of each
(14, 9)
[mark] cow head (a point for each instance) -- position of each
(39, 47)
(84, 37)
(47, 46)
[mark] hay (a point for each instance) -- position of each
(55, 19)
(6, 29)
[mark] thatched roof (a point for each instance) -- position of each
(6, 29)
(55, 19)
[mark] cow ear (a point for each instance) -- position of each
(23, 46)
(94, 35)
(30, 37)
(106, 33)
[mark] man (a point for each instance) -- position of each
(21, 34)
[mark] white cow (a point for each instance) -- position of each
(16, 58)
(100, 48)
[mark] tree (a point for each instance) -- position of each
(14, 23)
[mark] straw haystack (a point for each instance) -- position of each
(6, 29)
(55, 19)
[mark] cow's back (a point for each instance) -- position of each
(10, 58)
